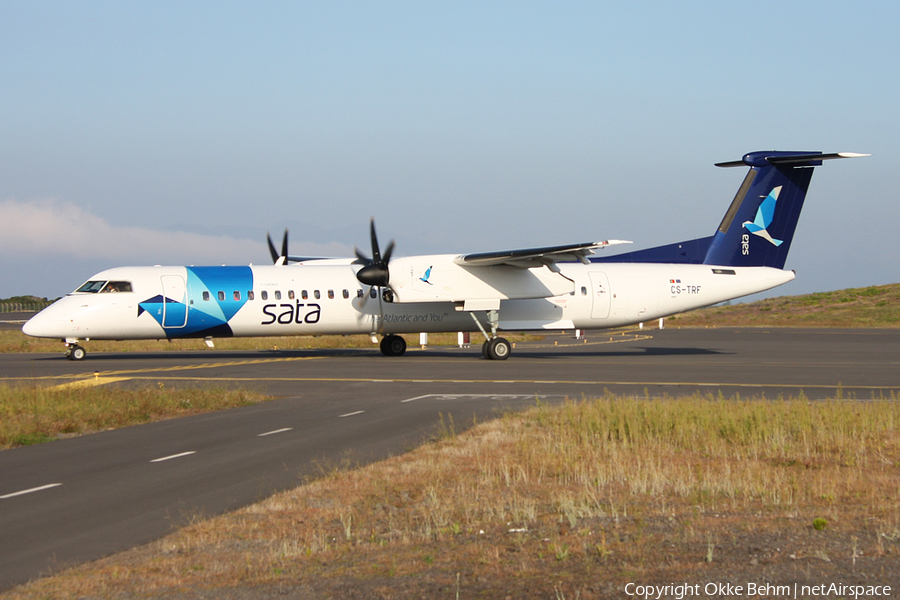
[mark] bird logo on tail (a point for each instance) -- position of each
(764, 214)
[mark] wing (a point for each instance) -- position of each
(528, 258)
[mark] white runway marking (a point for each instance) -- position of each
(274, 432)
(359, 412)
(31, 491)
(482, 396)
(164, 458)
(416, 398)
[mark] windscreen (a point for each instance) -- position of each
(91, 287)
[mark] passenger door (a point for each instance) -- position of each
(174, 301)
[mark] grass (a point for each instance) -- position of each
(875, 306)
(571, 501)
(32, 415)
(16, 341)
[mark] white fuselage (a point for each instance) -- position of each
(324, 297)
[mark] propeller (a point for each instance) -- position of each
(375, 274)
(375, 271)
(278, 258)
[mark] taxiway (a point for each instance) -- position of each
(78, 499)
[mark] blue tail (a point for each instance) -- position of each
(758, 228)
(759, 225)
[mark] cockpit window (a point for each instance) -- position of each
(117, 286)
(91, 287)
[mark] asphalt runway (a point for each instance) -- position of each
(74, 500)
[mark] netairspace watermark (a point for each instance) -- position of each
(681, 591)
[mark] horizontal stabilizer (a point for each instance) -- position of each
(762, 159)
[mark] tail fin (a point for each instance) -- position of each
(758, 228)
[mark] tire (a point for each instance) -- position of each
(499, 349)
(78, 353)
(393, 345)
(484, 349)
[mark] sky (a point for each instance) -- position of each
(142, 133)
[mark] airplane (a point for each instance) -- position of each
(532, 289)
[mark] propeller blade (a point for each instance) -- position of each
(387, 252)
(361, 257)
(380, 313)
(272, 249)
(376, 254)
(279, 259)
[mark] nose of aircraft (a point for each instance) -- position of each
(49, 323)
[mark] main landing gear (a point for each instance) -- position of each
(497, 348)
(393, 345)
(494, 348)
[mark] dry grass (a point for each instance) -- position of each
(875, 306)
(572, 501)
(32, 414)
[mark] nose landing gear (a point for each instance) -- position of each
(74, 351)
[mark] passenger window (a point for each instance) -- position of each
(317, 294)
(346, 294)
(278, 294)
(331, 294)
(264, 295)
(359, 293)
(304, 295)
(372, 292)
(290, 294)
(221, 295)
(206, 296)
(583, 291)
(237, 295)
(250, 295)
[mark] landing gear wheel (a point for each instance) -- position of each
(484, 349)
(393, 345)
(76, 353)
(498, 349)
